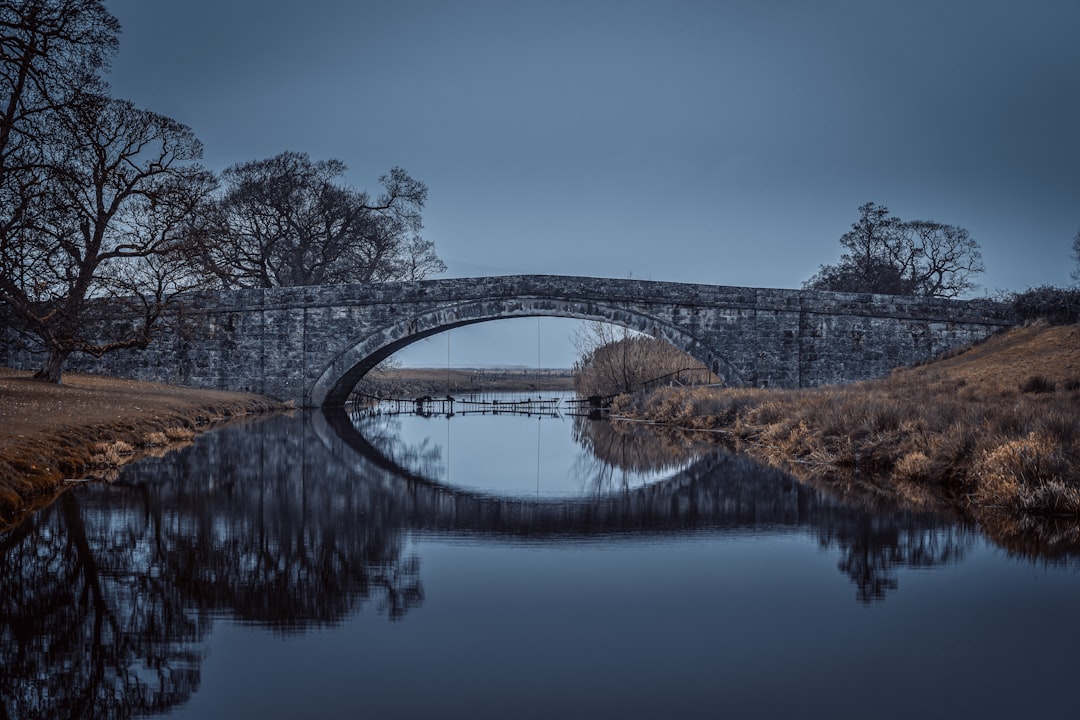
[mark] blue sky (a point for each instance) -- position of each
(715, 142)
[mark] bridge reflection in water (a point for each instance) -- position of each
(107, 596)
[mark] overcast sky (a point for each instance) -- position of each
(726, 142)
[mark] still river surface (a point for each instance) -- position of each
(512, 566)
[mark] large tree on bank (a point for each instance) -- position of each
(107, 248)
(94, 192)
(890, 256)
(288, 220)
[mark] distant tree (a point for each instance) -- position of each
(104, 249)
(1056, 305)
(1076, 257)
(288, 220)
(862, 275)
(891, 256)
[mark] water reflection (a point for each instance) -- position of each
(518, 447)
(107, 596)
(716, 491)
(871, 551)
(620, 455)
(92, 625)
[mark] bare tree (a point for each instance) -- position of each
(50, 51)
(105, 251)
(892, 256)
(870, 233)
(614, 359)
(1076, 257)
(288, 220)
(936, 259)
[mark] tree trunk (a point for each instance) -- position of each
(54, 367)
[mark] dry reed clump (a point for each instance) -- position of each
(179, 434)
(1031, 474)
(674, 405)
(111, 454)
(914, 467)
(697, 408)
(168, 438)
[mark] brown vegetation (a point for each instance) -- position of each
(629, 363)
(91, 425)
(991, 430)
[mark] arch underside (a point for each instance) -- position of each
(347, 369)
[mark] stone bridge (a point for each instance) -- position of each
(313, 344)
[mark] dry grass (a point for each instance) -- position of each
(91, 425)
(993, 429)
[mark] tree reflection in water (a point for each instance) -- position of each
(623, 455)
(90, 625)
(107, 596)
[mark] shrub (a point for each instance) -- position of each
(111, 454)
(1029, 473)
(179, 434)
(634, 363)
(913, 467)
(1037, 384)
(1058, 306)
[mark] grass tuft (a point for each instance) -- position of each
(1037, 384)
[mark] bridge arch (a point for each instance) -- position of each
(343, 373)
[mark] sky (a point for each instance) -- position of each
(722, 142)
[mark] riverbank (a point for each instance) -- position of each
(54, 435)
(988, 432)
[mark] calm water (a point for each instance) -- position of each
(511, 566)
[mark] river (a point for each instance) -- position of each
(540, 565)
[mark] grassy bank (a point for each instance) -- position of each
(992, 430)
(52, 435)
